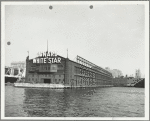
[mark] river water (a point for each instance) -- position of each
(80, 102)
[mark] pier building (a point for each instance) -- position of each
(54, 69)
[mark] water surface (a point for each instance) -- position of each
(80, 102)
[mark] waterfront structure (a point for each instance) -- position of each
(127, 81)
(18, 68)
(18, 64)
(53, 69)
(15, 72)
(138, 73)
(10, 75)
(120, 82)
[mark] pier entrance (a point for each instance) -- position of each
(47, 81)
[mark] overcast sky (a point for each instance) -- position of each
(108, 35)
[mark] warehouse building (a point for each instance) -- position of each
(54, 69)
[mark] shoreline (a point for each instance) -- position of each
(53, 86)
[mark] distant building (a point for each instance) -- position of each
(138, 73)
(18, 68)
(115, 72)
(129, 81)
(19, 64)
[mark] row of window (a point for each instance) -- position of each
(45, 67)
(47, 75)
(90, 82)
(60, 67)
(98, 76)
(98, 69)
(90, 74)
(33, 79)
(55, 80)
(91, 79)
(84, 72)
(83, 78)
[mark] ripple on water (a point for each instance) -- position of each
(85, 102)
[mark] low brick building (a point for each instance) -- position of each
(127, 81)
(120, 82)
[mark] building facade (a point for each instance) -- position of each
(18, 64)
(74, 74)
(138, 73)
(127, 81)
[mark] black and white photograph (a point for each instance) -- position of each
(75, 60)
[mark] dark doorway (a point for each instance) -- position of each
(47, 80)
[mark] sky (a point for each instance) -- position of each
(108, 35)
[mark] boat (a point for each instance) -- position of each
(10, 79)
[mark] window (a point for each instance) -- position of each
(74, 77)
(60, 66)
(75, 69)
(59, 75)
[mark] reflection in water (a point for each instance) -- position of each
(48, 102)
(80, 102)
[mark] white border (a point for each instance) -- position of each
(76, 2)
(147, 60)
(2, 59)
(146, 3)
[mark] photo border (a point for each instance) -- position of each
(146, 3)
